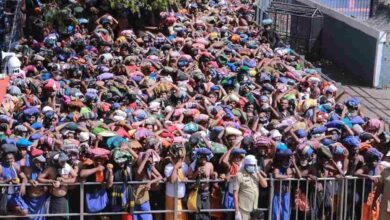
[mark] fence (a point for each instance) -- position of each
(359, 9)
(321, 198)
(298, 25)
(13, 29)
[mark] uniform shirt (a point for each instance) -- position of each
(248, 190)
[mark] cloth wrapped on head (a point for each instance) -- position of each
(352, 103)
(232, 131)
(120, 156)
(324, 152)
(373, 124)
(267, 22)
(301, 133)
(284, 153)
(99, 152)
(177, 150)
(351, 141)
(204, 152)
(238, 151)
(374, 153)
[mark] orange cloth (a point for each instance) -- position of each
(234, 168)
(368, 212)
(169, 205)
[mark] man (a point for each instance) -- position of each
(176, 171)
(10, 173)
(246, 188)
(146, 171)
(323, 191)
(36, 195)
(269, 34)
(59, 174)
(202, 169)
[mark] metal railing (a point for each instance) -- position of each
(359, 9)
(321, 198)
(12, 37)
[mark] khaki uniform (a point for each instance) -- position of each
(384, 210)
(248, 192)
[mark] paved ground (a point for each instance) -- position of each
(376, 102)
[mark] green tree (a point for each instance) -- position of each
(137, 5)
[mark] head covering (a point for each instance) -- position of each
(284, 153)
(373, 124)
(281, 147)
(374, 153)
(357, 129)
(266, 22)
(84, 136)
(250, 160)
(238, 151)
(352, 103)
(351, 141)
(324, 152)
(35, 152)
(120, 156)
(232, 131)
(301, 133)
(319, 130)
(40, 158)
(61, 157)
(307, 150)
(275, 134)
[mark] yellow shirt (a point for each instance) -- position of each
(248, 190)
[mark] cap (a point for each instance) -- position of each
(250, 160)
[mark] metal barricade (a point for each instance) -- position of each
(295, 199)
(14, 22)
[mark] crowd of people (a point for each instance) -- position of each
(206, 95)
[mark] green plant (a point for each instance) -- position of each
(137, 5)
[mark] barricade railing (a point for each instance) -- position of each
(11, 38)
(319, 198)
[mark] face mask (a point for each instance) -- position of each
(263, 121)
(304, 163)
(250, 169)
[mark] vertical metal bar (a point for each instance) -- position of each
(271, 196)
(323, 203)
(296, 208)
(175, 187)
(315, 194)
(81, 200)
(345, 199)
(341, 204)
(333, 194)
(306, 194)
(353, 200)
(280, 200)
(289, 194)
(364, 187)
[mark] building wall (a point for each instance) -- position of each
(355, 46)
(349, 48)
(385, 69)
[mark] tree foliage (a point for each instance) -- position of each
(137, 5)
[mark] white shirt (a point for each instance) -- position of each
(169, 188)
